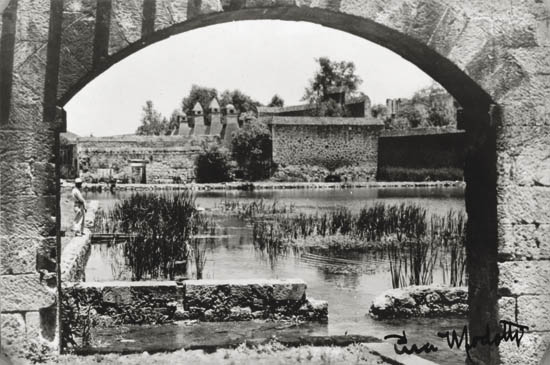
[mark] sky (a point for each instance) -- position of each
(261, 58)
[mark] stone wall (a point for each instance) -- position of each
(111, 304)
(423, 148)
(167, 159)
(326, 145)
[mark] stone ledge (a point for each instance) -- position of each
(74, 256)
(421, 301)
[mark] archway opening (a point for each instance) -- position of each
(461, 86)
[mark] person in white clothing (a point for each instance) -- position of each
(79, 208)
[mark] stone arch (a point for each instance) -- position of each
(485, 53)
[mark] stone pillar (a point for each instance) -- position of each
(199, 128)
(481, 235)
(214, 117)
(230, 124)
(29, 142)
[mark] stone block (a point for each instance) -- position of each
(14, 339)
(524, 277)
(33, 178)
(533, 311)
(19, 146)
(169, 12)
(507, 309)
(33, 20)
(524, 241)
(28, 215)
(128, 16)
(529, 352)
(519, 204)
(25, 293)
(24, 254)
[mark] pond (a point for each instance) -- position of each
(349, 293)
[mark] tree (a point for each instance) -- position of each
(331, 74)
(276, 101)
(379, 110)
(252, 150)
(152, 122)
(200, 94)
(437, 118)
(242, 102)
(411, 115)
(212, 165)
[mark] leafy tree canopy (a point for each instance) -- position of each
(276, 101)
(152, 122)
(242, 102)
(331, 74)
(251, 148)
(201, 94)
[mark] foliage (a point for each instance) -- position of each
(251, 148)
(242, 102)
(331, 74)
(277, 101)
(202, 95)
(379, 110)
(413, 243)
(159, 227)
(213, 165)
(411, 115)
(329, 108)
(420, 174)
(437, 118)
(255, 208)
(152, 122)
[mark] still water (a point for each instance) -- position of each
(349, 294)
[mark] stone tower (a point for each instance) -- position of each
(214, 116)
(230, 124)
(199, 128)
(184, 129)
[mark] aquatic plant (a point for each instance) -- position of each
(253, 209)
(158, 229)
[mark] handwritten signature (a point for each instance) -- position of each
(510, 331)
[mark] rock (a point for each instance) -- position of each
(420, 301)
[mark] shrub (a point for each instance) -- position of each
(212, 165)
(252, 150)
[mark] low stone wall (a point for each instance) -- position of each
(110, 304)
(214, 300)
(421, 301)
(75, 254)
(271, 185)
(306, 173)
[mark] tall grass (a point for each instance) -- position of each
(414, 244)
(255, 208)
(159, 226)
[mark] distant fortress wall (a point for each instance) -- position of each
(329, 144)
(138, 159)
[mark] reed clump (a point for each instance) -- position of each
(414, 243)
(159, 229)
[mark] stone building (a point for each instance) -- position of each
(314, 148)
